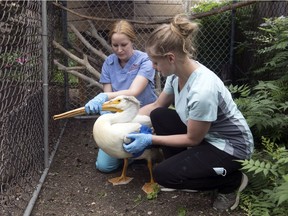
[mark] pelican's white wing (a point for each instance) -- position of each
(110, 138)
(110, 130)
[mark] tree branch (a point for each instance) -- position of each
(79, 50)
(72, 70)
(86, 43)
(83, 61)
(94, 33)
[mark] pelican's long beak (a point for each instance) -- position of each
(107, 106)
(71, 113)
(111, 106)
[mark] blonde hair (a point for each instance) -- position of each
(178, 36)
(123, 27)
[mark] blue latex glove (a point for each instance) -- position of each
(145, 129)
(95, 105)
(140, 141)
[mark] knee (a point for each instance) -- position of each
(105, 163)
(156, 113)
(105, 167)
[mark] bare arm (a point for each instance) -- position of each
(107, 87)
(138, 85)
(196, 131)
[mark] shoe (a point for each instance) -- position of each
(164, 189)
(231, 200)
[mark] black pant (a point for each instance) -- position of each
(192, 168)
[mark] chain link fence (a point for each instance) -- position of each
(21, 103)
(83, 23)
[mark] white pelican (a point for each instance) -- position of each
(109, 133)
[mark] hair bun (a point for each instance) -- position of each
(181, 25)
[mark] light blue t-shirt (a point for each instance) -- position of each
(122, 78)
(205, 98)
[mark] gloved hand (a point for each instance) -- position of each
(95, 105)
(143, 129)
(140, 141)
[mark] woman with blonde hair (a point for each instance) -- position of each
(125, 72)
(205, 135)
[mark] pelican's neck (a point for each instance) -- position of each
(125, 116)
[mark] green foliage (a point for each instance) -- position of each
(267, 192)
(138, 199)
(265, 109)
(12, 65)
(9, 58)
(153, 195)
(265, 104)
(58, 75)
(273, 41)
(182, 211)
(270, 44)
(207, 5)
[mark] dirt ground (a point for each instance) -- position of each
(74, 187)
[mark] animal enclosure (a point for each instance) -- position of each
(38, 79)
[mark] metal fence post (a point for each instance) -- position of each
(45, 80)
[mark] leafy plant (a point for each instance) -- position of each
(273, 41)
(270, 47)
(207, 5)
(265, 104)
(267, 193)
(182, 211)
(154, 194)
(265, 109)
(58, 77)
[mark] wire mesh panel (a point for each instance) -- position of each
(21, 120)
(21, 104)
(213, 43)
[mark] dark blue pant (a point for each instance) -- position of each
(192, 168)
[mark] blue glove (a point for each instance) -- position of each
(145, 129)
(140, 141)
(95, 105)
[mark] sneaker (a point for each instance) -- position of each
(164, 189)
(231, 200)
